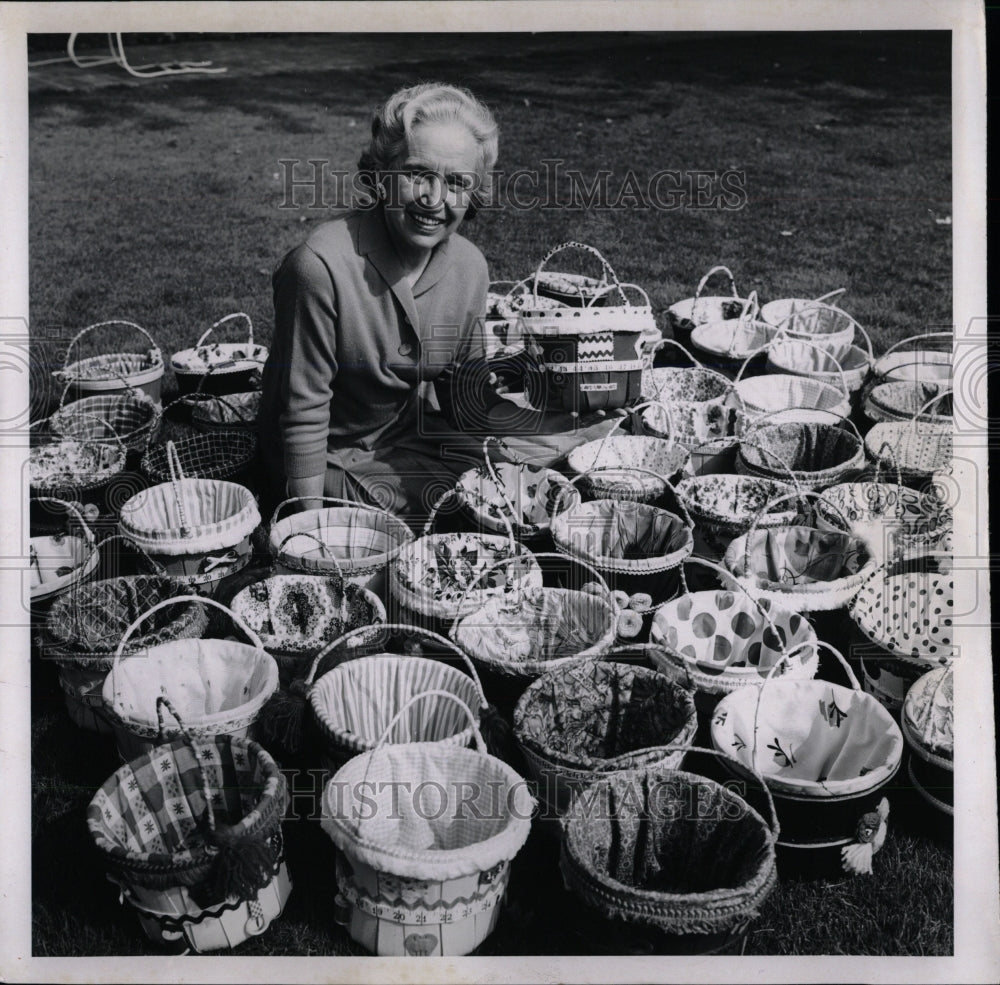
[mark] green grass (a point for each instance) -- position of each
(158, 202)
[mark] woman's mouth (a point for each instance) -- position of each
(428, 222)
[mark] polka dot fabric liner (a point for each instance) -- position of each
(908, 614)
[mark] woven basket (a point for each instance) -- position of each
(516, 638)
(419, 882)
(827, 753)
(724, 345)
(220, 367)
(684, 316)
(577, 721)
(818, 454)
(917, 448)
(130, 415)
(800, 567)
(218, 686)
(191, 833)
(83, 628)
(69, 469)
(586, 358)
(112, 372)
(59, 562)
(922, 363)
(927, 722)
(359, 540)
(826, 325)
(634, 850)
(198, 529)
(799, 357)
(234, 411)
(717, 641)
(905, 400)
(228, 455)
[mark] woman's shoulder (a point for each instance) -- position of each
(326, 246)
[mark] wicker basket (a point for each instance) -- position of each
(800, 567)
(59, 562)
(198, 529)
(227, 455)
(361, 541)
(725, 345)
(234, 411)
(577, 721)
(827, 753)
(130, 415)
(633, 850)
(684, 316)
(826, 325)
(905, 400)
(191, 833)
(419, 882)
(219, 686)
(799, 357)
(586, 358)
(112, 372)
(917, 448)
(927, 723)
(73, 470)
(220, 367)
(922, 363)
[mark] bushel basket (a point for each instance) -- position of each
(421, 878)
(191, 833)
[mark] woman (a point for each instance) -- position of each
(378, 304)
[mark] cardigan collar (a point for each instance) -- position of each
(374, 243)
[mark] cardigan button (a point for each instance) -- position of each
(405, 349)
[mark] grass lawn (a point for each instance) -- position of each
(159, 202)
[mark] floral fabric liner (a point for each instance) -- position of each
(921, 446)
(929, 711)
(789, 556)
(202, 359)
(70, 462)
(813, 738)
(805, 446)
(735, 499)
(903, 399)
(233, 408)
(533, 492)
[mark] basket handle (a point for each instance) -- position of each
(77, 515)
(580, 246)
(716, 270)
(237, 314)
(882, 452)
(917, 338)
(930, 403)
(158, 568)
(153, 347)
(780, 325)
(203, 600)
(620, 288)
(836, 419)
(825, 298)
(432, 516)
(325, 551)
(665, 341)
(492, 472)
(177, 484)
(809, 342)
(507, 560)
(164, 703)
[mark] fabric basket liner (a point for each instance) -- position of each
(403, 835)
(902, 400)
(529, 632)
(914, 364)
(824, 324)
(799, 358)
(817, 453)
(112, 366)
(732, 338)
(218, 357)
(216, 685)
(730, 502)
(219, 514)
(724, 635)
(232, 410)
(58, 562)
(781, 391)
(297, 614)
(928, 717)
(813, 738)
(918, 447)
(699, 400)
(356, 701)
(616, 462)
(131, 415)
(73, 466)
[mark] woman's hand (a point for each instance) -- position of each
(310, 488)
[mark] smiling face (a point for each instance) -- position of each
(428, 192)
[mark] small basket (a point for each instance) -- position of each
(800, 567)
(360, 541)
(580, 720)
(112, 372)
(198, 529)
(59, 562)
(827, 753)
(684, 316)
(83, 628)
(634, 850)
(191, 833)
(908, 400)
(917, 448)
(586, 358)
(130, 415)
(927, 723)
(419, 882)
(800, 357)
(826, 325)
(923, 363)
(70, 469)
(219, 686)
(227, 455)
(220, 367)
(234, 411)
(725, 345)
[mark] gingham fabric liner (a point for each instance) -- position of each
(780, 391)
(217, 686)
(799, 358)
(623, 452)
(220, 514)
(211, 455)
(603, 831)
(723, 635)
(359, 539)
(401, 841)
(355, 702)
(604, 531)
(132, 416)
(928, 717)
(533, 630)
(813, 738)
(145, 818)
(920, 446)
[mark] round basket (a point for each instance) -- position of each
(198, 529)
(234, 411)
(827, 753)
(220, 367)
(225, 455)
(218, 686)
(800, 357)
(725, 345)
(799, 567)
(359, 540)
(527, 495)
(635, 851)
(917, 449)
(59, 562)
(70, 469)
(684, 316)
(924, 362)
(130, 415)
(573, 289)
(577, 721)
(905, 400)
(818, 454)
(191, 833)
(442, 874)
(826, 325)
(83, 628)
(112, 372)
(636, 547)
(927, 723)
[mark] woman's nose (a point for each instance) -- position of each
(430, 190)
